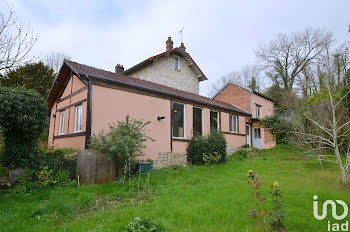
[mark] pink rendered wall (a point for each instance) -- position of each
(266, 109)
(112, 105)
(78, 142)
(234, 140)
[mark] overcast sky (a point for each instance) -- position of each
(220, 35)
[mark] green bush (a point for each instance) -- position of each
(281, 128)
(23, 117)
(124, 141)
(144, 225)
(200, 145)
(57, 160)
(240, 155)
(245, 146)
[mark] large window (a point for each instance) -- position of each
(233, 124)
(78, 118)
(178, 120)
(197, 121)
(214, 120)
(62, 120)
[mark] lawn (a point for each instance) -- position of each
(182, 198)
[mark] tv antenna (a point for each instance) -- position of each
(180, 32)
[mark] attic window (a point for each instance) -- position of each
(177, 63)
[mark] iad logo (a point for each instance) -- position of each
(334, 226)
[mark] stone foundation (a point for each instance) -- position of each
(168, 159)
(230, 150)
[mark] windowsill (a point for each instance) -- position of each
(233, 132)
(77, 131)
(180, 139)
(60, 134)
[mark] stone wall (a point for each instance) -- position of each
(162, 71)
(167, 159)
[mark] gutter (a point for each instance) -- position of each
(88, 114)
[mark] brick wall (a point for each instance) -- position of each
(235, 95)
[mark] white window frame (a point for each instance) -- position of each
(218, 118)
(172, 129)
(231, 120)
(178, 63)
(78, 118)
(257, 111)
(62, 122)
(201, 118)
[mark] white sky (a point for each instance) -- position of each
(219, 35)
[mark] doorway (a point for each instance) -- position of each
(257, 138)
(248, 137)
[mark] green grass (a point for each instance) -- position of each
(183, 198)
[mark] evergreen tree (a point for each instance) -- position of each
(37, 76)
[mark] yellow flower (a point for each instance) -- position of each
(250, 171)
(276, 184)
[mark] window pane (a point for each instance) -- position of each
(178, 120)
(62, 119)
(197, 121)
(233, 123)
(78, 118)
(214, 120)
(176, 63)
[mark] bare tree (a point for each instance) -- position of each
(324, 126)
(249, 76)
(232, 77)
(16, 40)
(285, 57)
(55, 60)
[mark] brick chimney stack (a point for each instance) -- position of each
(169, 44)
(119, 69)
(182, 46)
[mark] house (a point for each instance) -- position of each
(163, 89)
(258, 105)
(173, 68)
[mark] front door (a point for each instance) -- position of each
(257, 138)
(248, 137)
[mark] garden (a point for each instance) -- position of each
(182, 198)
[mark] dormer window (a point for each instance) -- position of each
(257, 111)
(177, 63)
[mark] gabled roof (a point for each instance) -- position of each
(110, 78)
(243, 87)
(179, 51)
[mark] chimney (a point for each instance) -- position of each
(182, 46)
(119, 69)
(169, 44)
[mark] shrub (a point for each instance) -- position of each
(62, 177)
(59, 159)
(245, 146)
(45, 177)
(144, 225)
(199, 145)
(240, 155)
(23, 117)
(124, 141)
(281, 128)
(217, 143)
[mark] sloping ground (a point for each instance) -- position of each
(183, 199)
